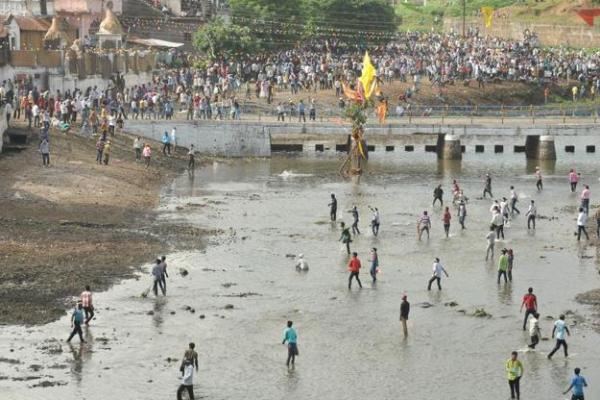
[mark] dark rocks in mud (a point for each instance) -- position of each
(9, 360)
(150, 312)
(183, 272)
(481, 313)
(590, 297)
(202, 316)
(451, 304)
(425, 305)
(46, 384)
(190, 309)
(241, 295)
(290, 256)
(228, 284)
(35, 367)
(171, 360)
(172, 313)
(228, 307)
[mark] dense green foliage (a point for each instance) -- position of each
(219, 39)
(275, 24)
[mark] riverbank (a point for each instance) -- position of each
(78, 223)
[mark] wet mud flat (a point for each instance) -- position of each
(78, 223)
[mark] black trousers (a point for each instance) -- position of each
(45, 158)
(439, 282)
(354, 275)
(581, 228)
(355, 229)
(530, 219)
(76, 330)
(437, 198)
(535, 339)
(528, 312)
(89, 313)
(559, 342)
(333, 214)
(500, 273)
(515, 390)
(539, 185)
(190, 390)
(166, 148)
(573, 186)
(500, 231)
(159, 283)
(487, 190)
(513, 206)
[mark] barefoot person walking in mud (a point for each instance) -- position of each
(560, 331)
(345, 238)
(76, 321)
(438, 270)
(86, 302)
(333, 208)
(291, 338)
(354, 268)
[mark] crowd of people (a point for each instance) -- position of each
(504, 212)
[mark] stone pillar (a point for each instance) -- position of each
(546, 149)
(449, 148)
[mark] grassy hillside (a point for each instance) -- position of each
(561, 12)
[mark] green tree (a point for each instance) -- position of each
(362, 20)
(218, 39)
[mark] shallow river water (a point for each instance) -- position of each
(350, 342)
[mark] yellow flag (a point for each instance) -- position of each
(368, 76)
(488, 14)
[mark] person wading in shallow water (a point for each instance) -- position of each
(333, 208)
(514, 372)
(187, 381)
(291, 337)
(345, 237)
(86, 302)
(76, 321)
(404, 311)
(354, 268)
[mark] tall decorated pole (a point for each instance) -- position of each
(360, 97)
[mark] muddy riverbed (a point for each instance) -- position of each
(240, 290)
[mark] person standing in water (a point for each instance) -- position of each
(404, 311)
(375, 221)
(446, 217)
(192, 158)
(424, 224)
(534, 330)
(87, 304)
(354, 268)
(438, 194)
(438, 270)
(345, 238)
(503, 266)
(291, 337)
(374, 264)
(165, 275)
(354, 212)
(538, 176)
(531, 214)
(462, 214)
(513, 201)
(514, 372)
(573, 179)
(511, 260)
(530, 304)
(491, 242)
(487, 188)
(76, 321)
(333, 208)
(560, 330)
(581, 223)
(578, 382)
(187, 381)
(585, 198)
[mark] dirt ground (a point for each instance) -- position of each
(77, 223)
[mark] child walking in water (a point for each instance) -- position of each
(374, 264)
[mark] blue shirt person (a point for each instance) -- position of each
(578, 382)
(291, 337)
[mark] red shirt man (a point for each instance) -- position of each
(354, 268)
(530, 303)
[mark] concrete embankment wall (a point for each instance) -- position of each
(214, 139)
(240, 139)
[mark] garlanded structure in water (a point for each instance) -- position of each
(361, 102)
